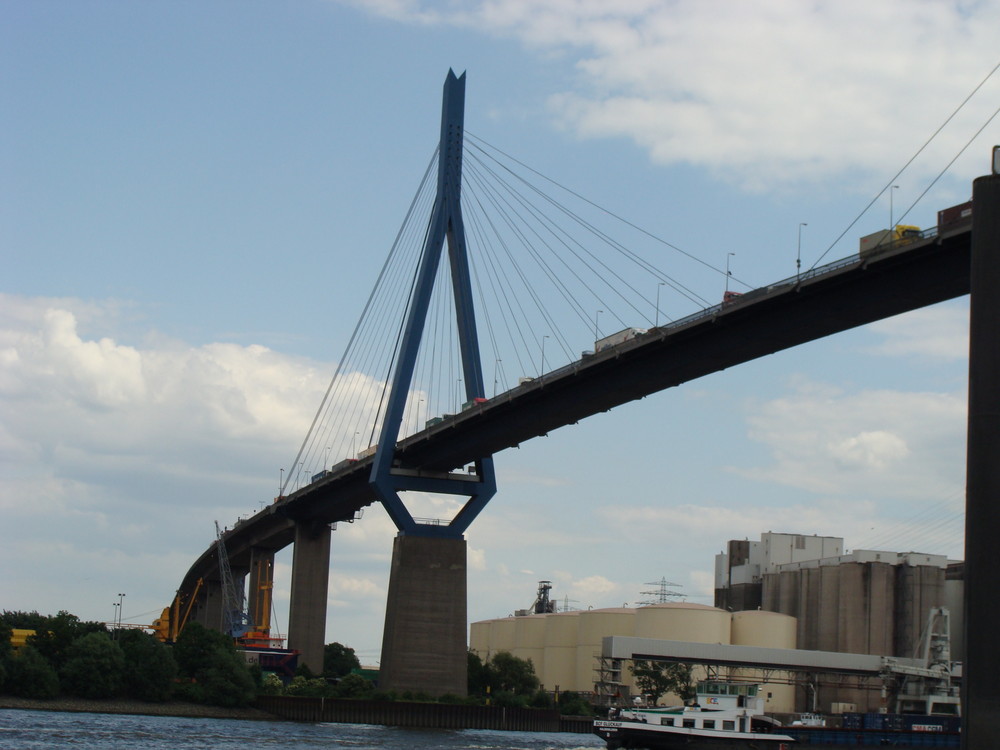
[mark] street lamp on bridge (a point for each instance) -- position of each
(798, 252)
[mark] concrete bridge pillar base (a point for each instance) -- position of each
(424, 641)
(209, 605)
(310, 582)
(980, 689)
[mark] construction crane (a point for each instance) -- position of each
(236, 621)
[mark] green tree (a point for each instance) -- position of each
(31, 675)
(338, 660)
(6, 652)
(150, 668)
(574, 704)
(478, 675)
(210, 659)
(354, 686)
(56, 634)
(655, 678)
(94, 667)
(511, 674)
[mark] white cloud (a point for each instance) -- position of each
(765, 94)
(884, 443)
(941, 332)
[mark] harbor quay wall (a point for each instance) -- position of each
(420, 715)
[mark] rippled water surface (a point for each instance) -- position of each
(42, 730)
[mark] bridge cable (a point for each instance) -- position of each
(948, 166)
(357, 326)
(908, 163)
(600, 208)
(673, 283)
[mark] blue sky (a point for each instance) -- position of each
(197, 197)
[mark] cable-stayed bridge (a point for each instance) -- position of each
(452, 453)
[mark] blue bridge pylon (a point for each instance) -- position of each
(388, 476)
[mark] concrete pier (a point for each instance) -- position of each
(310, 582)
(424, 643)
(980, 686)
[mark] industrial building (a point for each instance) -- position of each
(785, 592)
(565, 647)
(864, 602)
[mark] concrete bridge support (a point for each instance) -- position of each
(208, 609)
(310, 582)
(980, 687)
(424, 640)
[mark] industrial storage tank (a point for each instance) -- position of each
(559, 662)
(594, 625)
(502, 635)
(479, 638)
(529, 640)
(767, 630)
(683, 621)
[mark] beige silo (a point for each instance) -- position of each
(529, 640)
(502, 634)
(683, 621)
(767, 630)
(479, 638)
(559, 662)
(594, 625)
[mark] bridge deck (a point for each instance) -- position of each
(843, 295)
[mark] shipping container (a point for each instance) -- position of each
(954, 215)
(617, 338)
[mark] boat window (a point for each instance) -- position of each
(708, 724)
(729, 725)
(689, 723)
(667, 722)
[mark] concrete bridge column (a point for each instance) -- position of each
(424, 642)
(980, 687)
(208, 609)
(310, 582)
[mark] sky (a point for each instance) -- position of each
(197, 197)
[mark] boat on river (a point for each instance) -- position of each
(727, 715)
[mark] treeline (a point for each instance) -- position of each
(70, 657)
(504, 680)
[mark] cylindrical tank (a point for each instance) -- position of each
(479, 638)
(767, 630)
(594, 625)
(683, 621)
(502, 635)
(529, 640)
(559, 663)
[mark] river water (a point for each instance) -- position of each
(50, 730)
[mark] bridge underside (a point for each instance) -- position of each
(765, 321)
